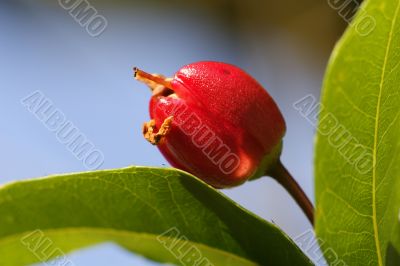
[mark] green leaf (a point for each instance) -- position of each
(357, 149)
(146, 210)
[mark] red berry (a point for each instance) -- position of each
(215, 121)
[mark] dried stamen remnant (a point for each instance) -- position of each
(159, 84)
(149, 131)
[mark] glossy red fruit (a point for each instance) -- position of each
(215, 121)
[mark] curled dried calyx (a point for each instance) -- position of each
(158, 137)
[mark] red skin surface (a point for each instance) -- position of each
(233, 109)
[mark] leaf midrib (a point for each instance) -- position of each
(375, 149)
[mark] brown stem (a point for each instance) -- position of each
(280, 174)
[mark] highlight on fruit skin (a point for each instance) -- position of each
(215, 121)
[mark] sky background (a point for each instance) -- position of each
(284, 45)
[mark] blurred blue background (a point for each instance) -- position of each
(283, 44)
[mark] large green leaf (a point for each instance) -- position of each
(357, 149)
(133, 207)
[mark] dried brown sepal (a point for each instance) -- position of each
(149, 129)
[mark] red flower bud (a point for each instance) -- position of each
(215, 121)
